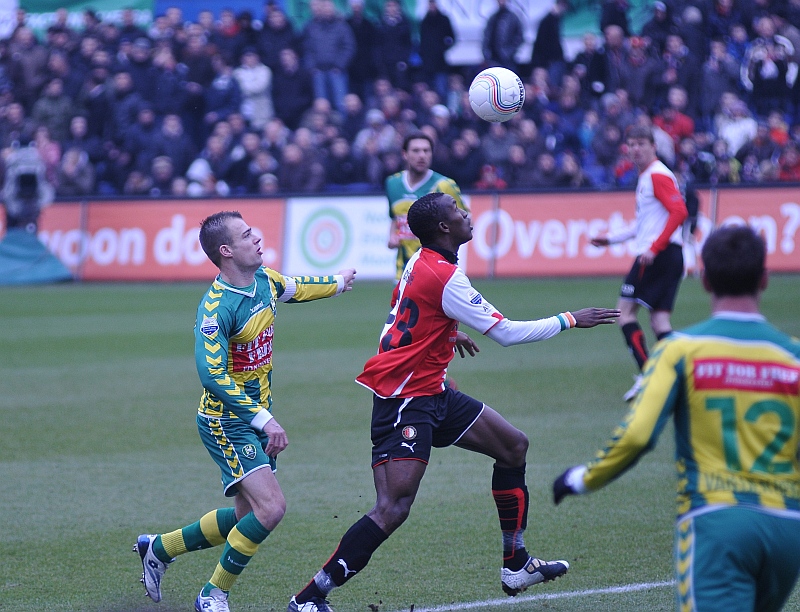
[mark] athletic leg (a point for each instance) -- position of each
(396, 486)
(492, 435)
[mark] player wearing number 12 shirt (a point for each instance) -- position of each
(731, 386)
(413, 411)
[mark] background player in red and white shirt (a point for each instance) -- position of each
(414, 411)
(656, 273)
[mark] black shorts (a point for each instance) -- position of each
(656, 286)
(407, 428)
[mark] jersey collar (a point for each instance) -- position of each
(448, 255)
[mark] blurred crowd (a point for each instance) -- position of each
(239, 104)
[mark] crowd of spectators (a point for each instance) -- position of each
(230, 104)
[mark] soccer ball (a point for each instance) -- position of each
(496, 94)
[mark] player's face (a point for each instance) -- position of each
(244, 245)
(418, 155)
(641, 151)
(458, 220)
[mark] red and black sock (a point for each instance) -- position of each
(511, 498)
(634, 338)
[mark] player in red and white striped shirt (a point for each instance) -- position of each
(656, 273)
(413, 411)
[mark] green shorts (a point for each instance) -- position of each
(237, 448)
(736, 559)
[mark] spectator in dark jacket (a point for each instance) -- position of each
(276, 34)
(436, 36)
(328, 49)
(175, 144)
(547, 51)
(125, 103)
(394, 45)
(364, 71)
(658, 27)
(502, 37)
(223, 96)
(295, 92)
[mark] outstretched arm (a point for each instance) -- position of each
(590, 317)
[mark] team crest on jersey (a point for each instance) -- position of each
(409, 432)
(627, 290)
(474, 297)
(249, 451)
(209, 326)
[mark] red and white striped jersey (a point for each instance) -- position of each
(418, 341)
(660, 211)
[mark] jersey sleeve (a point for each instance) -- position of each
(462, 302)
(666, 191)
(638, 432)
(213, 329)
(295, 289)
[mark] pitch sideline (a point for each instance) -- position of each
(509, 601)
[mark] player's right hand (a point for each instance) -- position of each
(277, 438)
(349, 278)
(589, 317)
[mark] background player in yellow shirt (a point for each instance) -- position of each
(731, 384)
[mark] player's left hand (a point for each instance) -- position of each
(349, 278)
(465, 343)
(566, 483)
(277, 438)
(646, 258)
(589, 317)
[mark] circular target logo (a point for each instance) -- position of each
(325, 237)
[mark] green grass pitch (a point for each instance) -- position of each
(99, 393)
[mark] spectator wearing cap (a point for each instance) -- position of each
(658, 27)
(268, 184)
(378, 132)
(125, 104)
(139, 64)
(255, 82)
(296, 92)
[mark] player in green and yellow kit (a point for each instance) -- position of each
(406, 187)
(233, 353)
(731, 385)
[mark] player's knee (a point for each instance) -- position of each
(270, 513)
(392, 515)
(517, 449)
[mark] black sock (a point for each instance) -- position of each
(354, 552)
(634, 338)
(511, 498)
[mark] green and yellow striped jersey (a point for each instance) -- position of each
(401, 196)
(732, 388)
(233, 339)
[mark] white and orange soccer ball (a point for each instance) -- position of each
(496, 94)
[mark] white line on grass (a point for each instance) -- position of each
(511, 601)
